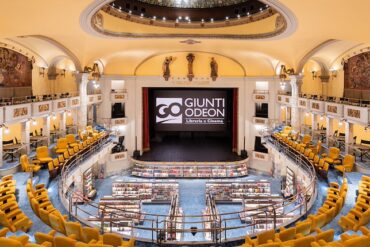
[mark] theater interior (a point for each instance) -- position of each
(184, 123)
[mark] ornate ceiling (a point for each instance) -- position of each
(194, 3)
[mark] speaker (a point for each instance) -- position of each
(243, 154)
(136, 154)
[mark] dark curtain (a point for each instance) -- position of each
(146, 137)
(235, 120)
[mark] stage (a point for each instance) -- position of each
(195, 148)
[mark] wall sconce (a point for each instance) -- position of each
(333, 74)
(42, 71)
(95, 73)
(63, 73)
(69, 113)
(314, 74)
(34, 122)
(6, 129)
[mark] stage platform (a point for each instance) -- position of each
(195, 149)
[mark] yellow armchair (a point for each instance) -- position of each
(42, 154)
(71, 139)
(347, 164)
(332, 156)
(262, 238)
(61, 146)
(26, 166)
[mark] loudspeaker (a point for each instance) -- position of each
(243, 154)
(136, 154)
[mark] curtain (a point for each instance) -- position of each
(235, 121)
(146, 137)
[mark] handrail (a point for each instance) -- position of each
(154, 222)
(36, 98)
(338, 100)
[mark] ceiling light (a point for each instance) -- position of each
(226, 17)
(130, 12)
(154, 17)
(248, 14)
(164, 18)
(202, 20)
(180, 17)
(141, 15)
(261, 9)
(238, 16)
(211, 19)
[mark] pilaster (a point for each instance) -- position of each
(295, 82)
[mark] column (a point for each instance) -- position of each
(329, 129)
(348, 130)
(82, 113)
(1, 146)
(314, 123)
(295, 82)
(46, 128)
(62, 123)
(26, 128)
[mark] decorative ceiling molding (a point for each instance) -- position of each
(289, 25)
(312, 52)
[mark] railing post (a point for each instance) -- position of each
(274, 212)
(102, 221)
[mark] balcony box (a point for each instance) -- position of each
(42, 108)
(17, 112)
(357, 114)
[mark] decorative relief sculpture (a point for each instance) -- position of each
(166, 67)
(190, 57)
(214, 69)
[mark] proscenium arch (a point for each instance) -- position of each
(203, 52)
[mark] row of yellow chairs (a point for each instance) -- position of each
(44, 209)
(63, 144)
(359, 215)
(56, 164)
(11, 216)
(312, 152)
(51, 240)
(299, 234)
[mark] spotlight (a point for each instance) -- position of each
(154, 17)
(7, 131)
(226, 17)
(164, 18)
(141, 15)
(321, 118)
(69, 114)
(238, 16)
(34, 122)
(130, 12)
(54, 117)
(212, 20)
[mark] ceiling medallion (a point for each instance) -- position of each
(190, 42)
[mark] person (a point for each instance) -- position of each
(287, 192)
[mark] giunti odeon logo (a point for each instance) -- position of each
(169, 110)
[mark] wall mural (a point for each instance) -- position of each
(357, 74)
(15, 69)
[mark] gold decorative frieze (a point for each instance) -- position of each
(61, 104)
(44, 108)
(332, 108)
(354, 113)
(20, 112)
(315, 106)
(75, 102)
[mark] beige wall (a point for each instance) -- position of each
(42, 85)
(15, 130)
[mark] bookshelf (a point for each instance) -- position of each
(88, 184)
(235, 191)
(155, 192)
(190, 171)
(290, 180)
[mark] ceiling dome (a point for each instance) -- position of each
(190, 13)
(194, 3)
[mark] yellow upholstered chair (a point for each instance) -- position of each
(354, 219)
(44, 216)
(304, 241)
(316, 148)
(53, 171)
(42, 155)
(15, 220)
(286, 234)
(73, 230)
(112, 239)
(6, 242)
(61, 146)
(91, 235)
(303, 227)
(45, 244)
(57, 222)
(332, 156)
(41, 237)
(347, 164)
(286, 131)
(61, 241)
(306, 140)
(71, 139)
(317, 221)
(26, 166)
(262, 238)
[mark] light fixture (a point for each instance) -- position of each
(154, 17)
(34, 122)
(54, 117)
(321, 118)
(226, 17)
(42, 71)
(141, 15)
(238, 16)
(340, 123)
(164, 18)
(333, 73)
(307, 114)
(130, 12)
(69, 113)
(95, 73)
(6, 129)
(314, 74)
(212, 20)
